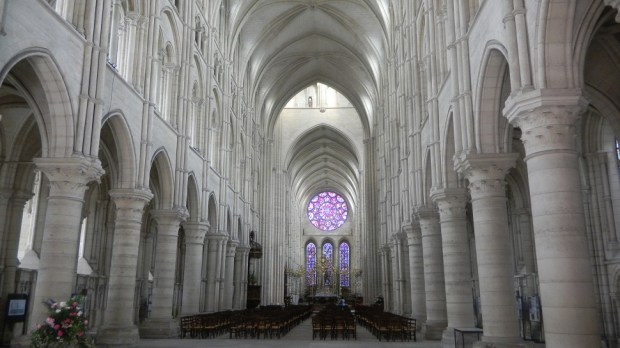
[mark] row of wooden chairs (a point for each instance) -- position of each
(334, 322)
(386, 325)
(268, 323)
(207, 325)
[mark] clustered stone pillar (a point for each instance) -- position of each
(436, 316)
(240, 285)
(396, 290)
(194, 242)
(385, 275)
(230, 274)
(456, 260)
(118, 327)
(214, 246)
(13, 224)
(486, 173)
(547, 121)
(161, 324)
(416, 273)
(68, 178)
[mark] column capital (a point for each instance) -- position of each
(231, 248)
(486, 172)
(130, 198)
(195, 232)
(398, 236)
(216, 237)
(171, 218)
(414, 234)
(450, 202)
(426, 212)
(130, 203)
(243, 249)
(69, 176)
(547, 118)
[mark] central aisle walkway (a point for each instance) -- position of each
(299, 337)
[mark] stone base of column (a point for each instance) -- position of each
(447, 338)
(160, 328)
(496, 342)
(434, 330)
(118, 336)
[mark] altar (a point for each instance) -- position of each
(323, 299)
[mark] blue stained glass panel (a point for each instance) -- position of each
(344, 264)
(310, 264)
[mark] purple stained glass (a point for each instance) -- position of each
(327, 211)
(328, 250)
(310, 264)
(344, 264)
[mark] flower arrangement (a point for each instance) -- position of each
(65, 326)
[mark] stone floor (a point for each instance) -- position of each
(299, 337)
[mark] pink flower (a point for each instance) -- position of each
(80, 334)
(56, 327)
(60, 333)
(49, 321)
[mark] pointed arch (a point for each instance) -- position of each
(36, 75)
(193, 201)
(161, 180)
(117, 142)
(212, 213)
(493, 89)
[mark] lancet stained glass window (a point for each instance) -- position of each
(310, 264)
(327, 211)
(344, 264)
(328, 259)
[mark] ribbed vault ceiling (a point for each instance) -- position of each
(285, 46)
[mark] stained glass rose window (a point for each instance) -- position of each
(327, 211)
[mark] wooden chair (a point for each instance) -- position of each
(410, 329)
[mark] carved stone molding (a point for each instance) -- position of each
(547, 119)
(70, 176)
(486, 172)
(450, 203)
(195, 232)
(426, 212)
(130, 203)
(169, 219)
(231, 248)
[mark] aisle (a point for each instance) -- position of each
(299, 337)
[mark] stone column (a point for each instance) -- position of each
(240, 282)
(194, 242)
(213, 242)
(229, 280)
(400, 275)
(487, 185)
(68, 180)
(547, 121)
(161, 324)
(394, 254)
(416, 273)
(456, 260)
(436, 316)
(385, 276)
(221, 273)
(13, 224)
(118, 327)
